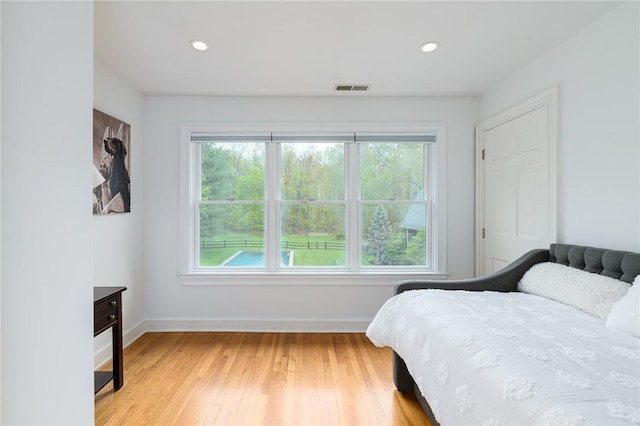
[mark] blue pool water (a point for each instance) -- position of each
(255, 258)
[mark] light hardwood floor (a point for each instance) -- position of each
(256, 379)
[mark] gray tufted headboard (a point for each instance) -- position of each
(622, 265)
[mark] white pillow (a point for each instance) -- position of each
(625, 313)
(592, 293)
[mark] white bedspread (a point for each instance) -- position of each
(485, 358)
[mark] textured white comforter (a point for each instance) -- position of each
(486, 358)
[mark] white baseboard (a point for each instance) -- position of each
(265, 326)
(129, 336)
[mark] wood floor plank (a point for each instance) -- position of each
(256, 379)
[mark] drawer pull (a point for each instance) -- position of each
(113, 303)
(112, 317)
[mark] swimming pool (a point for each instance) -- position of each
(256, 258)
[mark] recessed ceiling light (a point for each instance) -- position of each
(199, 45)
(429, 46)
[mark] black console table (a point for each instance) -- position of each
(107, 313)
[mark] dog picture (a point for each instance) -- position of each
(111, 159)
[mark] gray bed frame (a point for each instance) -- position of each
(621, 265)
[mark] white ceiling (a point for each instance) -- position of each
(305, 48)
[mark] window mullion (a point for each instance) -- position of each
(433, 253)
(353, 232)
(428, 196)
(196, 195)
(272, 211)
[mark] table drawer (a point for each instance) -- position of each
(105, 313)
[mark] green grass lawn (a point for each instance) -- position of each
(301, 256)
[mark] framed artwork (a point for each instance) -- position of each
(111, 147)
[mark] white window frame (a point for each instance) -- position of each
(189, 187)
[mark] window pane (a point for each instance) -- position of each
(232, 171)
(314, 234)
(232, 235)
(394, 235)
(391, 171)
(312, 171)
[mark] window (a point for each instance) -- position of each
(311, 202)
(394, 200)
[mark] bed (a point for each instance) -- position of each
(492, 351)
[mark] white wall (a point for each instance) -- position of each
(119, 246)
(599, 175)
(0, 211)
(47, 265)
(276, 303)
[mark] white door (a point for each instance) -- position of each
(517, 198)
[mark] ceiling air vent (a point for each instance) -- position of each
(352, 87)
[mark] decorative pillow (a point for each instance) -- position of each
(591, 293)
(625, 313)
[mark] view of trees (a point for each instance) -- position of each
(232, 172)
(312, 172)
(313, 207)
(379, 235)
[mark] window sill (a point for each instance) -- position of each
(311, 278)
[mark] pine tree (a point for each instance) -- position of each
(379, 234)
